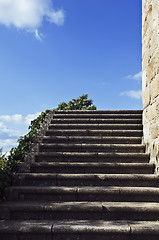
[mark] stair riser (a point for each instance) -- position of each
(77, 236)
(97, 116)
(117, 159)
(98, 141)
(68, 197)
(102, 236)
(85, 182)
(96, 121)
(110, 112)
(96, 127)
(123, 214)
(26, 236)
(67, 148)
(83, 132)
(105, 170)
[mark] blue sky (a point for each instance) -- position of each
(55, 50)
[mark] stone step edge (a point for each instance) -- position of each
(96, 120)
(86, 189)
(91, 164)
(80, 227)
(97, 115)
(97, 156)
(91, 176)
(99, 206)
(99, 111)
(78, 145)
(96, 131)
(92, 138)
(94, 125)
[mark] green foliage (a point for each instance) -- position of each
(80, 103)
(9, 164)
(5, 177)
(18, 152)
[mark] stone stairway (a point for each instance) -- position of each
(91, 179)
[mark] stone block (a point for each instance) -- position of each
(151, 70)
(154, 88)
(146, 97)
(154, 129)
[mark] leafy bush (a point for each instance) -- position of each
(80, 103)
(9, 164)
(5, 177)
(18, 152)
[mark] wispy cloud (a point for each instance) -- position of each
(133, 94)
(30, 117)
(18, 118)
(9, 143)
(8, 132)
(137, 76)
(12, 127)
(29, 15)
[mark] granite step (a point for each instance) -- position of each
(84, 147)
(97, 126)
(35, 210)
(95, 121)
(79, 229)
(89, 132)
(92, 139)
(98, 115)
(86, 193)
(99, 112)
(52, 179)
(106, 168)
(92, 157)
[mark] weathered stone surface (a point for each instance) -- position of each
(150, 66)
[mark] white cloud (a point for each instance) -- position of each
(2, 125)
(137, 76)
(8, 132)
(29, 14)
(31, 117)
(132, 94)
(38, 35)
(12, 127)
(18, 118)
(8, 143)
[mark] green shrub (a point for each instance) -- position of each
(80, 103)
(5, 179)
(9, 164)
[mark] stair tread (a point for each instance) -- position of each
(80, 206)
(91, 175)
(91, 164)
(92, 144)
(57, 153)
(98, 115)
(86, 189)
(98, 111)
(94, 125)
(89, 137)
(80, 226)
(94, 131)
(136, 120)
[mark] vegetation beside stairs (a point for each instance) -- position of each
(9, 164)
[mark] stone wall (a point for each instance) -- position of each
(34, 148)
(150, 67)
